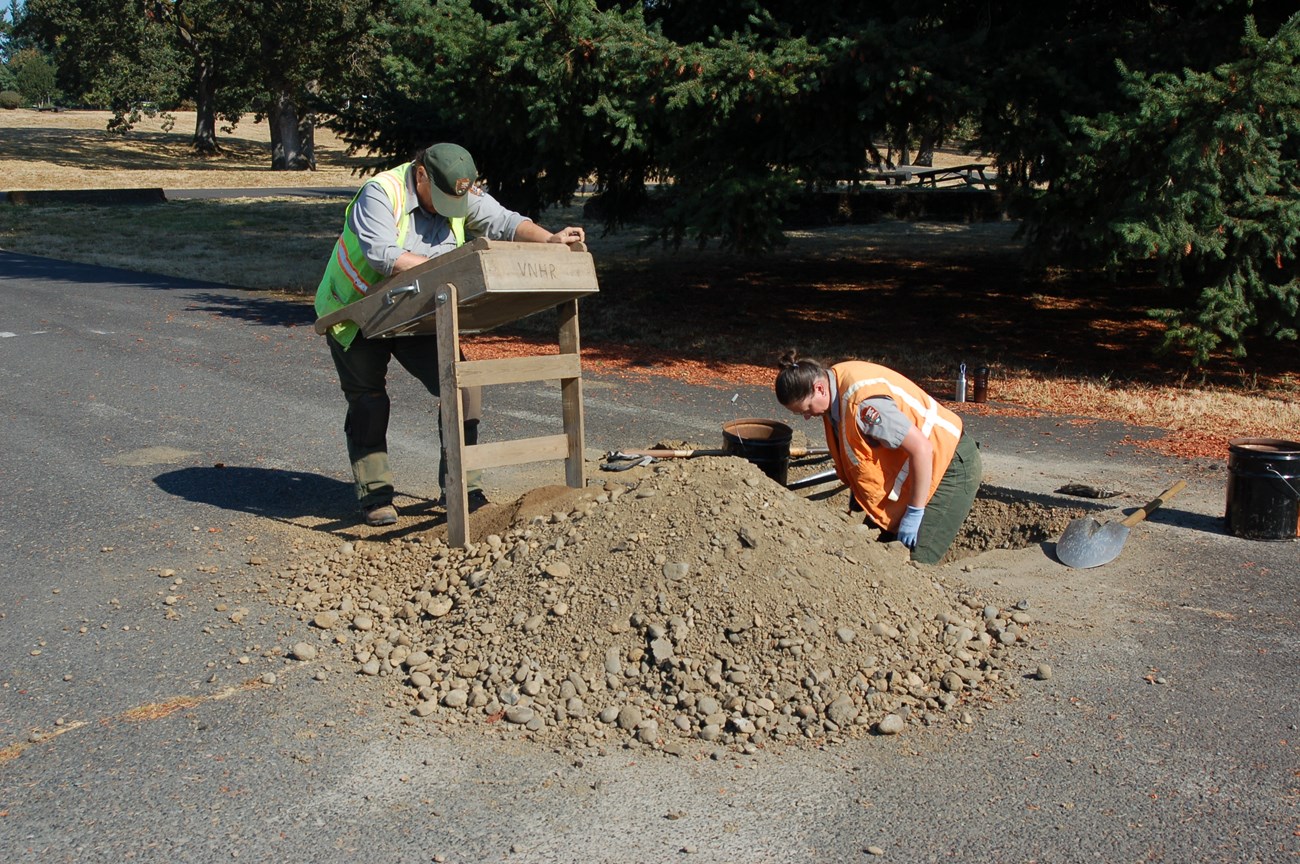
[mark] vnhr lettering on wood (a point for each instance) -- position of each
(496, 282)
(533, 270)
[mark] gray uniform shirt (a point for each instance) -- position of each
(879, 419)
(430, 234)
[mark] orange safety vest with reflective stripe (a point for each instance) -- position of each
(349, 275)
(880, 477)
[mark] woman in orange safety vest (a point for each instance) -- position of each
(902, 454)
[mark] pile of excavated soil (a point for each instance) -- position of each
(685, 600)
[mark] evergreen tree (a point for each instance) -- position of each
(8, 47)
(730, 111)
(734, 124)
(232, 57)
(1198, 179)
(8, 17)
(34, 77)
(544, 95)
(217, 38)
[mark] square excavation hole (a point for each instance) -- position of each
(1004, 518)
(1000, 518)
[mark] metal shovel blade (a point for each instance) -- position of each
(1089, 543)
(1085, 542)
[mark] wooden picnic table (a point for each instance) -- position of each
(970, 173)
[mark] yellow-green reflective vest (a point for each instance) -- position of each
(348, 275)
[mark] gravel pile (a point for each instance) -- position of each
(685, 602)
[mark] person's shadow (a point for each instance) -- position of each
(287, 496)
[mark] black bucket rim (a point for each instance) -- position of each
(778, 431)
(1265, 447)
(769, 450)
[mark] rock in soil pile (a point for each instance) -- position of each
(690, 601)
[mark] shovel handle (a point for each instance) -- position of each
(674, 454)
(690, 454)
(1154, 504)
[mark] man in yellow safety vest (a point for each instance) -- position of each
(398, 220)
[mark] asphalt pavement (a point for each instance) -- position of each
(167, 438)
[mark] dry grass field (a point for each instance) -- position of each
(73, 149)
(912, 295)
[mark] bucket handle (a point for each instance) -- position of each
(1285, 482)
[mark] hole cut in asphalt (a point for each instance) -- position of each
(1000, 518)
(1011, 519)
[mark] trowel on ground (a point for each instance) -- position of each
(1085, 542)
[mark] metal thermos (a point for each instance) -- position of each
(961, 383)
(981, 393)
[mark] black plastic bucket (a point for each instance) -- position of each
(765, 443)
(1263, 489)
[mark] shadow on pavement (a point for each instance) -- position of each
(1186, 519)
(290, 496)
(272, 311)
(211, 297)
(274, 494)
(15, 265)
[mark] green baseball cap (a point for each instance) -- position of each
(451, 175)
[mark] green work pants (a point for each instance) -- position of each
(950, 503)
(363, 370)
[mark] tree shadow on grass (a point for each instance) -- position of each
(142, 150)
(918, 297)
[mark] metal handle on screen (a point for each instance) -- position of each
(1285, 482)
(391, 297)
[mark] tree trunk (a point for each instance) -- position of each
(293, 140)
(901, 145)
(307, 139)
(205, 123)
(925, 150)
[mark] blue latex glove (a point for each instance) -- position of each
(910, 524)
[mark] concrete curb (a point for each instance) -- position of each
(87, 196)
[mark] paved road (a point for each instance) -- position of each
(127, 731)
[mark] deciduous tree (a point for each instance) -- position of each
(232, 57)
(108, 54)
